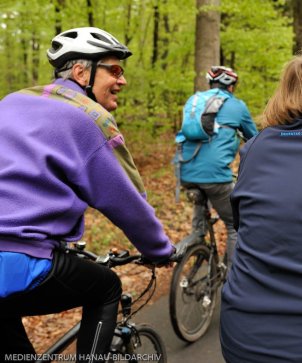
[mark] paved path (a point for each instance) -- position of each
(205, 350)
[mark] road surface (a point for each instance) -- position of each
(205, 350)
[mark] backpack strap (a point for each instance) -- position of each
(180, 160)
(194, 104)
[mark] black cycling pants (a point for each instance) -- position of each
(72, 282)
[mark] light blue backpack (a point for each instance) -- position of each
(199, 124)
(199, 115)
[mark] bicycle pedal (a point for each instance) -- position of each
(184, 283)
(206, 301)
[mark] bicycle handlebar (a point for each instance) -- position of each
(113, 258)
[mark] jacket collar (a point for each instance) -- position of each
(71, 84)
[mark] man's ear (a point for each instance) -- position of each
(231, 88)
(80, 74)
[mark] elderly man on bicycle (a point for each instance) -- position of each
(60, 152)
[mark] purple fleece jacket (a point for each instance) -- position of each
(54, 163)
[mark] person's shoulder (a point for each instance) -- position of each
(209, 92)
(251, 142)
(239, 101)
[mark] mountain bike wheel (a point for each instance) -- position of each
(146, 345)
(192, 298)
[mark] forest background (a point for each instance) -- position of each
(255, 38)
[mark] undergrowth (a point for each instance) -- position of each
(152, 156)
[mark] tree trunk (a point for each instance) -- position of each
(155, 35)
(165, 38)
(297, 14)
(128, 19)
(90, 13)
(24, 47)
(35, 57)
(59, 5)
(207, 40)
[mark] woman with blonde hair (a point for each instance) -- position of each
(261, 309)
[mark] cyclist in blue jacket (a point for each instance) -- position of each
(261, 310)
(210, 170)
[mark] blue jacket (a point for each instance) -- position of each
(212, 163)
(263, 289)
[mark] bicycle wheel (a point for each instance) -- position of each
(146, 345)
(192, 298)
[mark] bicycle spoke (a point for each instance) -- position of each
(192, 297)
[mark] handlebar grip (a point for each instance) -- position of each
(176, 256)
(179, 253)
(119, 261)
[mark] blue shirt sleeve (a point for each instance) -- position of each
(247, 124)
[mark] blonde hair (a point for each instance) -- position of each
(286, 104)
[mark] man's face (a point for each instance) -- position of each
(107, 85)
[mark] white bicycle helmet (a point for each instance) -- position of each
(84, 43)
(223, 75)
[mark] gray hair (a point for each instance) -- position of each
(66, 70)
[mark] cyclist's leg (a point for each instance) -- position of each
(219, 195)
(198, 218)
(99, 322)
(18, 342)
(73, 282)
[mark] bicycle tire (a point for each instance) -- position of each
(146, 345)
(146, 342)
(191, 307)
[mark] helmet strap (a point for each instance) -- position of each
(88, 88)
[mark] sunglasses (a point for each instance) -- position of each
(115, 69)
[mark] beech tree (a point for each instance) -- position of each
(297, 15)
(207, 40)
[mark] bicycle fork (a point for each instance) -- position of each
(213, 280)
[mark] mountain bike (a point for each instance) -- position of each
(196, 279)
(131, 342)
